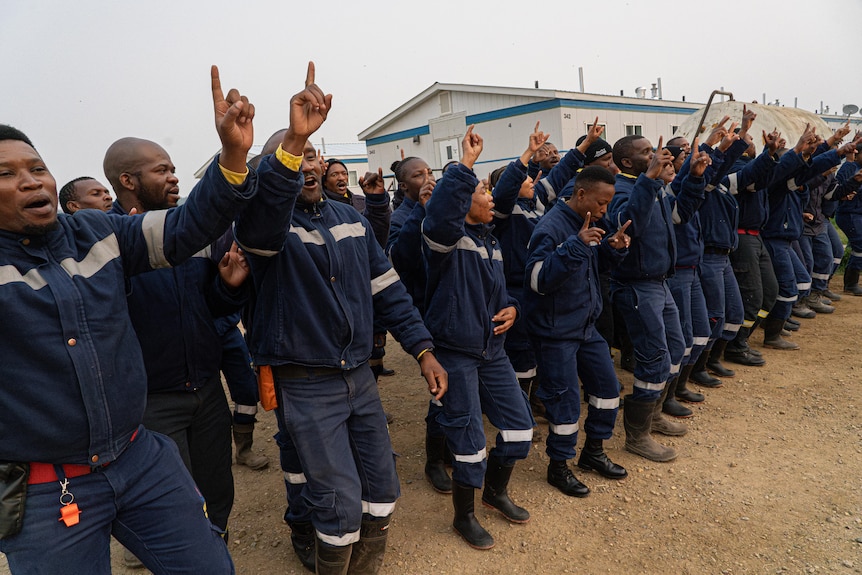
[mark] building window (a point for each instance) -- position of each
(446, 103)
(673, 129)
(634, 130)
(351, 178)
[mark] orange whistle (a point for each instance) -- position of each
(69, 514)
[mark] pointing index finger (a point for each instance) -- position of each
(218, 95)
(587, 219)
(309, 75)
(624, 227)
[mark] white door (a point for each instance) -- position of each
(448, 151)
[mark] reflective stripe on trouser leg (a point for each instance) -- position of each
(475, 386)
(780, 253)
(337, 424)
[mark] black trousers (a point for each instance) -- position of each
(755, 276)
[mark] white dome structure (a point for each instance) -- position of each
(789, 121)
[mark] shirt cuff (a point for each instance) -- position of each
(233, 178)
(288, 160)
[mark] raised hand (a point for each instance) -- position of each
(593, 134)
(660, 159)
(591, 236)
(620, 240)
(233, 267)
(537, 140)
(729, 138)
(839, 134)
(748, 118)
(506, 318)
(805, 139)
(718, 132)
(699, 161)
(308, 111)
(849, 149)
(772, 140)
(472, 146)
(373, 184)
(233, 120)
(425, 192)
(527, 190)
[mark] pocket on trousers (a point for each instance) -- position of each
(13, 495)
(454, 421)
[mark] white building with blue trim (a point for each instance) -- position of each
(432, 124)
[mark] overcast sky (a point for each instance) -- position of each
(76, 76)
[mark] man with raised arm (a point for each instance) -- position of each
(74, 384)
(321, 278)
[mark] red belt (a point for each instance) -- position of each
(748, 232)
(45, 472)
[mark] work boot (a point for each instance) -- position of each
(791, 324)
(495, 494)
(637, 420)
(561, 477)
(332, 560)
(738, 350)
(302, 538)
(594, 458)
(814, 302)
(682, 392)
(831, 295)
(772, 327)
(670, 405)
(435, 466)
(713, 362)
(243, 436)
(663, 425)
(801, 309)
(465, 522)
(699, 374)
(367, 555)
(851, 282)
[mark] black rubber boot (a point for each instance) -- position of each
(682, 392)
(699, 374)
(851, 282)
(594, 458)
(713, 363)
(772, 327)
(332, 560)
(637, 420)
(465, 522)
(495, 494)
(435, 466)
(302, 538)
(561, 477)
(367, 556)
(661, 424)
(670, 405)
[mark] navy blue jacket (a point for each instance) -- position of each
(515, 220)
(788, 196)
(466, 285)
(652, 253)
(847, 185)
(321, 279)
(405, 250)
(562, 298)
(173, 311)
(551, 185)
(73, 379)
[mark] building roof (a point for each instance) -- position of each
(554, 96)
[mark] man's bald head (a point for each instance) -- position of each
(126, 156)
(142, 175)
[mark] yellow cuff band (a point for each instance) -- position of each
(233, 178)
(423, 352)
(287, 159)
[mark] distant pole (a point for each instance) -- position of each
(660, 96)
(537, 84)
(764, 98)
(795, 101)
(722, 96)
(322, 146)
(581, 78)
